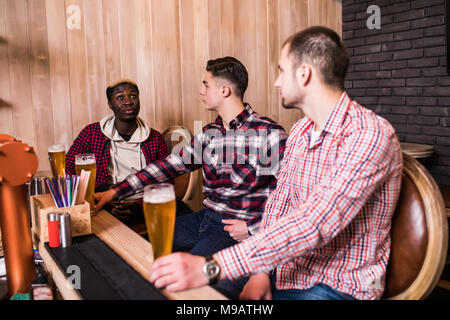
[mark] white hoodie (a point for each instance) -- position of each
(126, 157)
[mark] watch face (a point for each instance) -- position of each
(211, 269)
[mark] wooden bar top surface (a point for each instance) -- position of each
(131, 247)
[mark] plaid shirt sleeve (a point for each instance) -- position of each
(186, 160)
(80, 145)
(369, 157)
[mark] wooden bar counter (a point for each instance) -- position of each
(131, 247)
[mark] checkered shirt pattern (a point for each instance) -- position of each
(92, 140)
(236, 178)
(329, 219)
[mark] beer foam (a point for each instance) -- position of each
(83, 162)
(56, 148)
(159, 196)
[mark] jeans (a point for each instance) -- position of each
(318, 292)
(201, 233)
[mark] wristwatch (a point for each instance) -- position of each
(211, 270)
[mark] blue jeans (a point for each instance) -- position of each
(318, 292)
(201, 233)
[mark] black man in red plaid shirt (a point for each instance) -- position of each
(122, 144)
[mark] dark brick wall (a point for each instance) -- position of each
(400, 71)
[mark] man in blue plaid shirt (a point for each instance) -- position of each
(240, 154)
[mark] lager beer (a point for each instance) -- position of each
(159, 212)
(57, 158)
(86, 162)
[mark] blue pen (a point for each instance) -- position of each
(54, 193)
(50, 190)
(61, 191)
(57, 194)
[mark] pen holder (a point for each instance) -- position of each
(42, 205)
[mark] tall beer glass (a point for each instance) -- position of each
(86, 162)
(159, 212)
(57, 158)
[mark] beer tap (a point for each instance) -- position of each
(18, 164)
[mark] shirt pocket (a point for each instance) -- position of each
(243, 171)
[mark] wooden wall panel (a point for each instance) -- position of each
(144, 59)
(214, 28)
(292, 15)
(194, 55)
(19, 71)
(113, 66)
(127, 33)
(40, 77)
(261, 82)
(95, 58)
(228, 26)
(77, 58)
(273, 99)
(166, 62)
(59, 73)
(54, 76)
(6, 115)
(245, 48)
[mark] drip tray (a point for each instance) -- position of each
(98, 273)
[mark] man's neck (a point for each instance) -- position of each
(125, 127)
(320, 110)
(229, 111)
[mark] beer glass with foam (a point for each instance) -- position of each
(159, 212)
(87, 162)
(57, 158)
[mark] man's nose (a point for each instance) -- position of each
(128, 100)
(277, 83)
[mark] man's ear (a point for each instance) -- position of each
(110, 105)
(303, 74)
(226, 91)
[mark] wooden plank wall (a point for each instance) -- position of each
(57, 56)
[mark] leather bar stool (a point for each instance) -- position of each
(419, 236)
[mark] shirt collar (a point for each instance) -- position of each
(334, 122)
(239, 120)
(338, 115)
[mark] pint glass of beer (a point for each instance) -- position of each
(57, 158)
(86, 162)
(159, 212)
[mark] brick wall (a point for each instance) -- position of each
(400, 71)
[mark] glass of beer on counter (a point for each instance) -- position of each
(86, 162)
(159, 212)
(57, 158)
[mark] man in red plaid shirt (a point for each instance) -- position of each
(122, 144)
(326, 228)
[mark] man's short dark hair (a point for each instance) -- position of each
(111, 87)
(323, 48)
(232, 70)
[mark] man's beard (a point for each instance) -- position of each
(288, 106)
